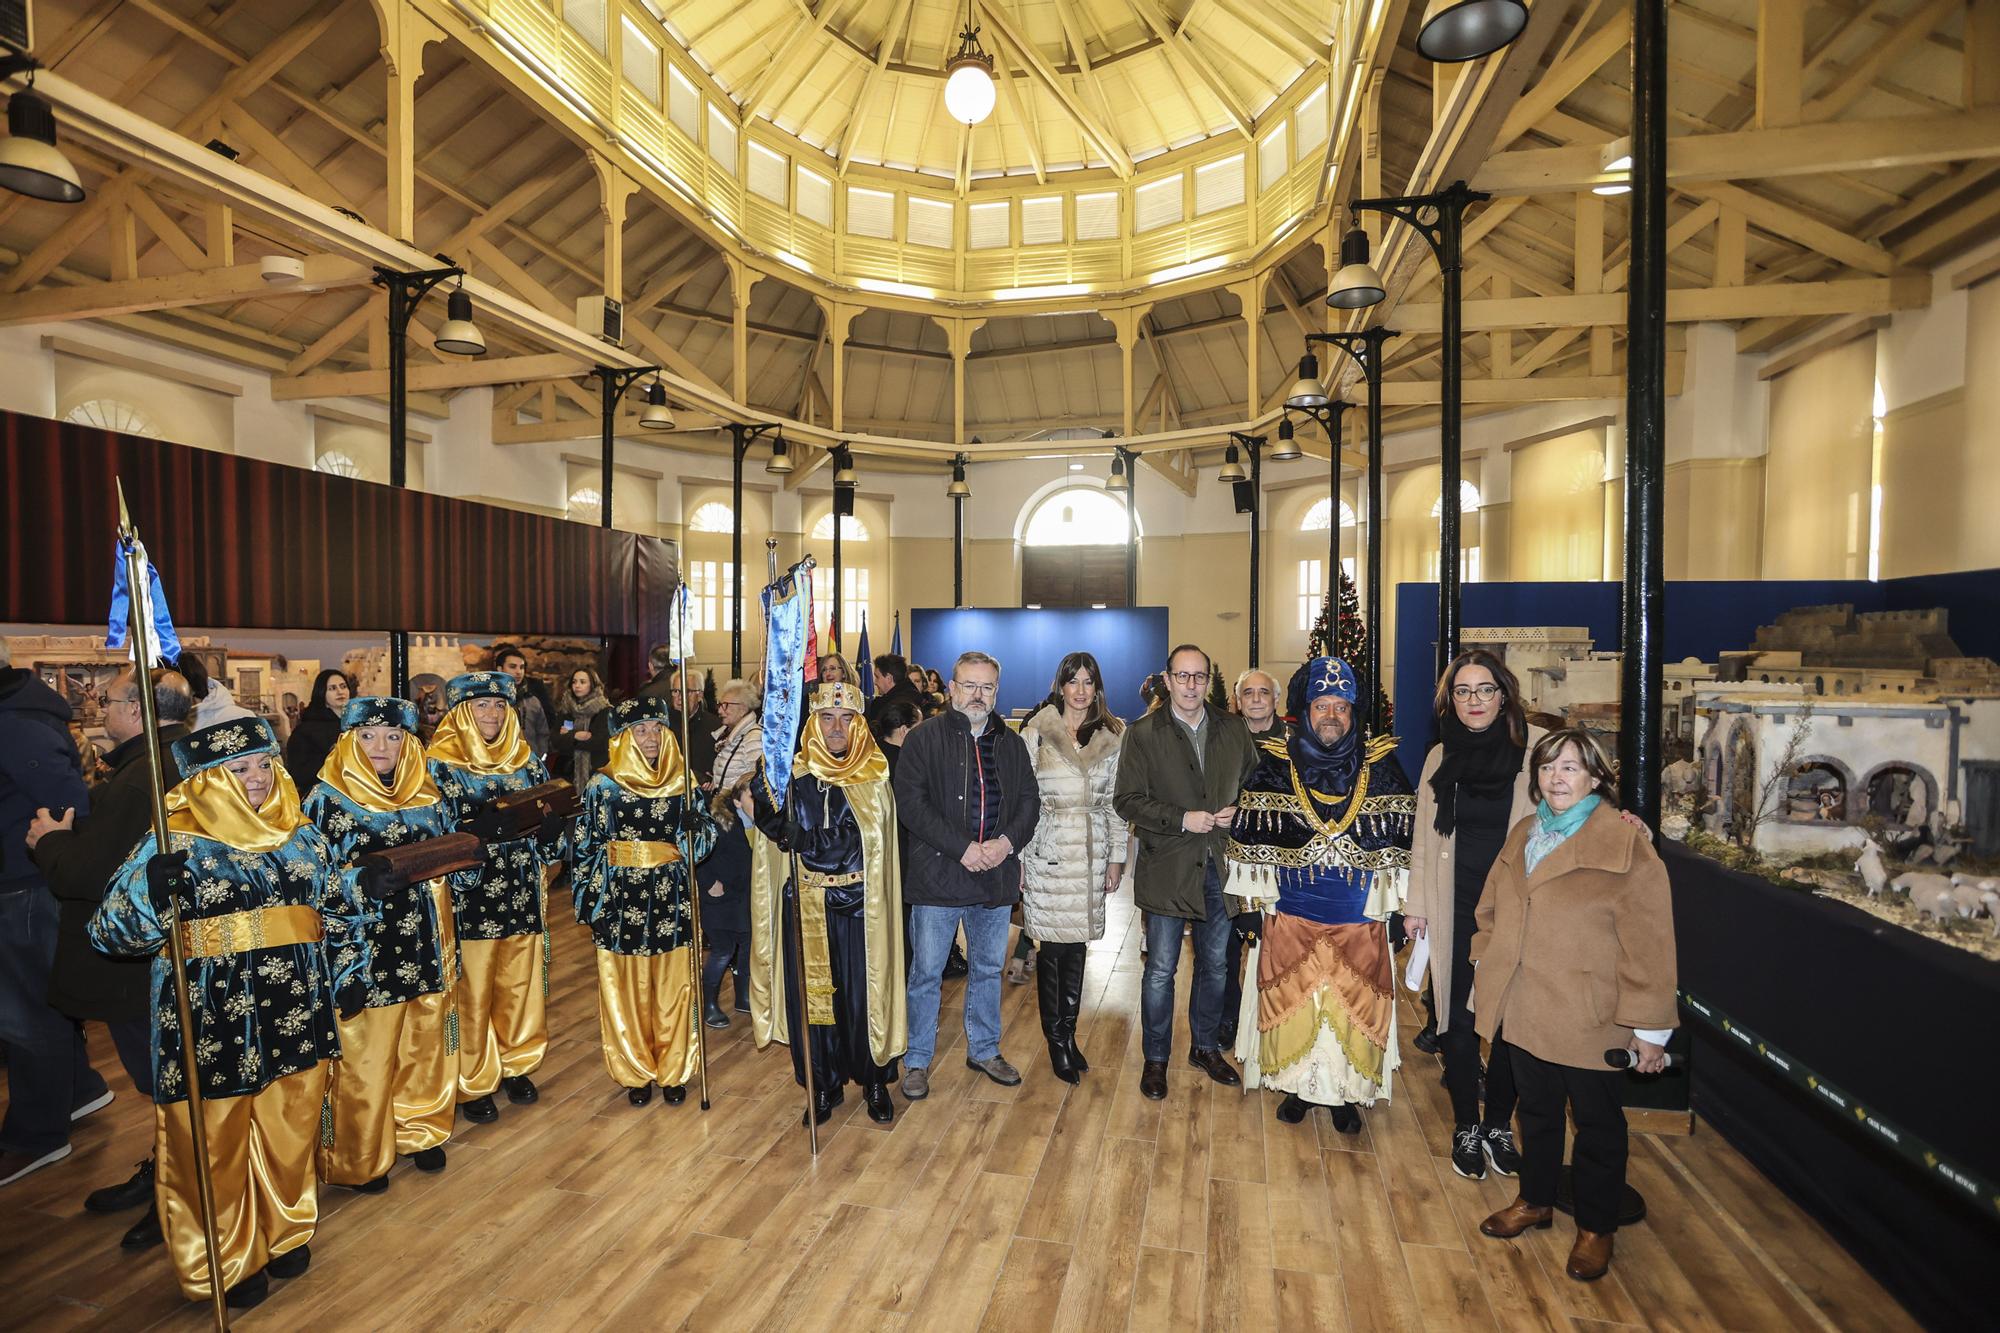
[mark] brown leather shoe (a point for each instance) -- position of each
(1590, 1257)
(1515, 1218)
(1213, 1064)
(1153, 1080)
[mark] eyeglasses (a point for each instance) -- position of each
(1188, 677)
(1483, 693)
(973, 687)
(124, 699)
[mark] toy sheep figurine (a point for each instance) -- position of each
(1873, 870)
(1932, 895)
(1975, 894)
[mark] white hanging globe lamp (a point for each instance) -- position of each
(969, 90)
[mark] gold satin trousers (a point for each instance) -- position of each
(261, 1161)
(394, 1089)
(646, 1013)
(503, 1015)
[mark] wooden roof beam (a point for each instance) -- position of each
(1851, 296)
(1031, 60)
(209, 286)
(890, 36)
(811, 24)
(1017, 107)
(461, 375)
(1195, 67)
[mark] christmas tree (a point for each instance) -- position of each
(1349, 641)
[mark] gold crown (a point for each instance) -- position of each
(841, 695)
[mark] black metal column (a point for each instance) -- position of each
(1450, 390)
(1131, 526)
(739, 438)
(406, 292)
(612, 389)
(1644, 607)
(1365, 346)
(957, 551)
(1336, 413)
(1256, 538)
(834, 613)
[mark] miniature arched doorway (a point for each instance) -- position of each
(1902, 794)
(1819, 790)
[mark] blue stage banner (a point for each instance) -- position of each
(1128, 642)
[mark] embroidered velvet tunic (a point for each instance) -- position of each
(261, 1013)
(636, 908)
(502, 898)
(405, 946)
(1324, 853)
(823, 831)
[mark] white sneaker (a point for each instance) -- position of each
(30, 1167)
(97, 1103)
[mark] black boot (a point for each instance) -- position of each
(711, 989)
(144, 1233)
(1048, 996)
(955, 965)
(1072, 1001)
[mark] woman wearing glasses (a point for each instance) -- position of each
(1474, 789)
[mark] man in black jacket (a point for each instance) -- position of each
(892, 685)
(49, 1078)
(966, 792)
(78, 858)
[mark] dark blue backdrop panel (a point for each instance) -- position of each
(1704, 619)
(1129, 643)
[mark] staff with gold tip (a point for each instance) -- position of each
(684, 649)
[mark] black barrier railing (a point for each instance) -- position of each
(1913, 1149)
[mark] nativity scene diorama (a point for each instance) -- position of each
(1854, 754)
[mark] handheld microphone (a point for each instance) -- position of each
(1621, 1058)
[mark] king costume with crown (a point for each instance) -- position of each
(1321, 845)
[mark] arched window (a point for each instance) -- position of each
(712, 517)
(586, 504)
(337, 463)
(1468, 500)
(852, 529)
(1077, 516)
(1318, 518)
(111, 414)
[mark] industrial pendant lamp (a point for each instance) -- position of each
(1308, 391)
(1288, 446)
(458, 333)
(1357, 286)
(969, 89)
(656, 415)
(843, 468)
(1232, 469)
(1118, 481)
(781, 458)
(1456, 30)
(30, 162)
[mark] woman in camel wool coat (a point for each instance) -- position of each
(1077, 855)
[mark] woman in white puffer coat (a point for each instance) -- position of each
(1077, 856)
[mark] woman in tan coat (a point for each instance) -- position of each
(1576, 950)
(1077, 856)
(1474, 789)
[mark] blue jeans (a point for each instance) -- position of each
(932, 930)
(1163, 956)
(48, 1065)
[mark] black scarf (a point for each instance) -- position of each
(1483, 762)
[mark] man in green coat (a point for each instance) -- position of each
(1178, 776)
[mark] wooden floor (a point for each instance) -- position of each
(983, 1207)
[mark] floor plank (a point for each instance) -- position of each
(1029, 1208)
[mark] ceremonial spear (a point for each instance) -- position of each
(690, 790)
(140, 580)
(802, 1037)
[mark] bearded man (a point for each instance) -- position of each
(1321, 844)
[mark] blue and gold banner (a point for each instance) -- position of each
(787, 619)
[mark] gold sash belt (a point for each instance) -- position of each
(641, 855)
(813, 879)
(258, 928)
(818, 963)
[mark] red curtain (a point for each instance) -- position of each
(255, 545)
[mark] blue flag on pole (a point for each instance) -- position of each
(896, 639)
(865, 662)
(163, 644)
(787, 607)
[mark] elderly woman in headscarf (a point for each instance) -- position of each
(395, 1089)
(272, 935)
(644, 827)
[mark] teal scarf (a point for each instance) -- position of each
(1552, 830)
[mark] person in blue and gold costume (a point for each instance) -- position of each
(272, 935)
(841, 822)
(1322, 845)
(476, 756)
(395, 1089)
(631, 883)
